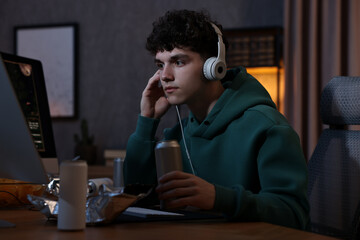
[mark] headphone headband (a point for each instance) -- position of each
(221, 45)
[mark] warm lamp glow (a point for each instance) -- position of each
(272, 78)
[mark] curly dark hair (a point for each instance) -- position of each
(184, 29)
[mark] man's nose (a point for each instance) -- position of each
(167, 74)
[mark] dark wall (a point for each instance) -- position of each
(113, 63)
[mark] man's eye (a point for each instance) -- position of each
(179, 63)
(160, 65)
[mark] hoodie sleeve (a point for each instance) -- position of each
(139, 164)
(282, 199)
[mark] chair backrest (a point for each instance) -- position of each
(334, 167)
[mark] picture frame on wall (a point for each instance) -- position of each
(55, 46)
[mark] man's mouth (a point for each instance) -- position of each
(170, 89)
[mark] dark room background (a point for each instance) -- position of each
(113, 65)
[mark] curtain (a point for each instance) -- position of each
(321, 41)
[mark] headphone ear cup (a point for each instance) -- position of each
(219, 69)
(214, 69)
(207, 69)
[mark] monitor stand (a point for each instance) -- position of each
(6, 224)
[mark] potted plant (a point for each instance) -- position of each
(85, 147)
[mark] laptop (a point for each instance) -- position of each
(27, 147)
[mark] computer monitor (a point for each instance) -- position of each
(26, 136)
(27, 146)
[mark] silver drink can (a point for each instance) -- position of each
(168, 157)
(73, 191)
(118, 175)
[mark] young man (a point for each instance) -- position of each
(247, 160)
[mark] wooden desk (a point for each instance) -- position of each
(33, 225)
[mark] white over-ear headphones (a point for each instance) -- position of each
(215, 67)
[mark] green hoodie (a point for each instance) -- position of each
(245, 147)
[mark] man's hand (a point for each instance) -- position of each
(179, 189)
(153, 102)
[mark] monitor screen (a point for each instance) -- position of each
(27, 78)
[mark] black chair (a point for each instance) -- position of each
(334, 167)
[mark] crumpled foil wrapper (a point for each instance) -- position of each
(53, 188)
(108, 205)
(46, 206)
(100, 209)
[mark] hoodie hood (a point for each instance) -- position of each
(242, 91)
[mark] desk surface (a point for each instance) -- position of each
(33, 225)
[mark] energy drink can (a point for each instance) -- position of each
(118, 175)
(168, 157)
(73, 191)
